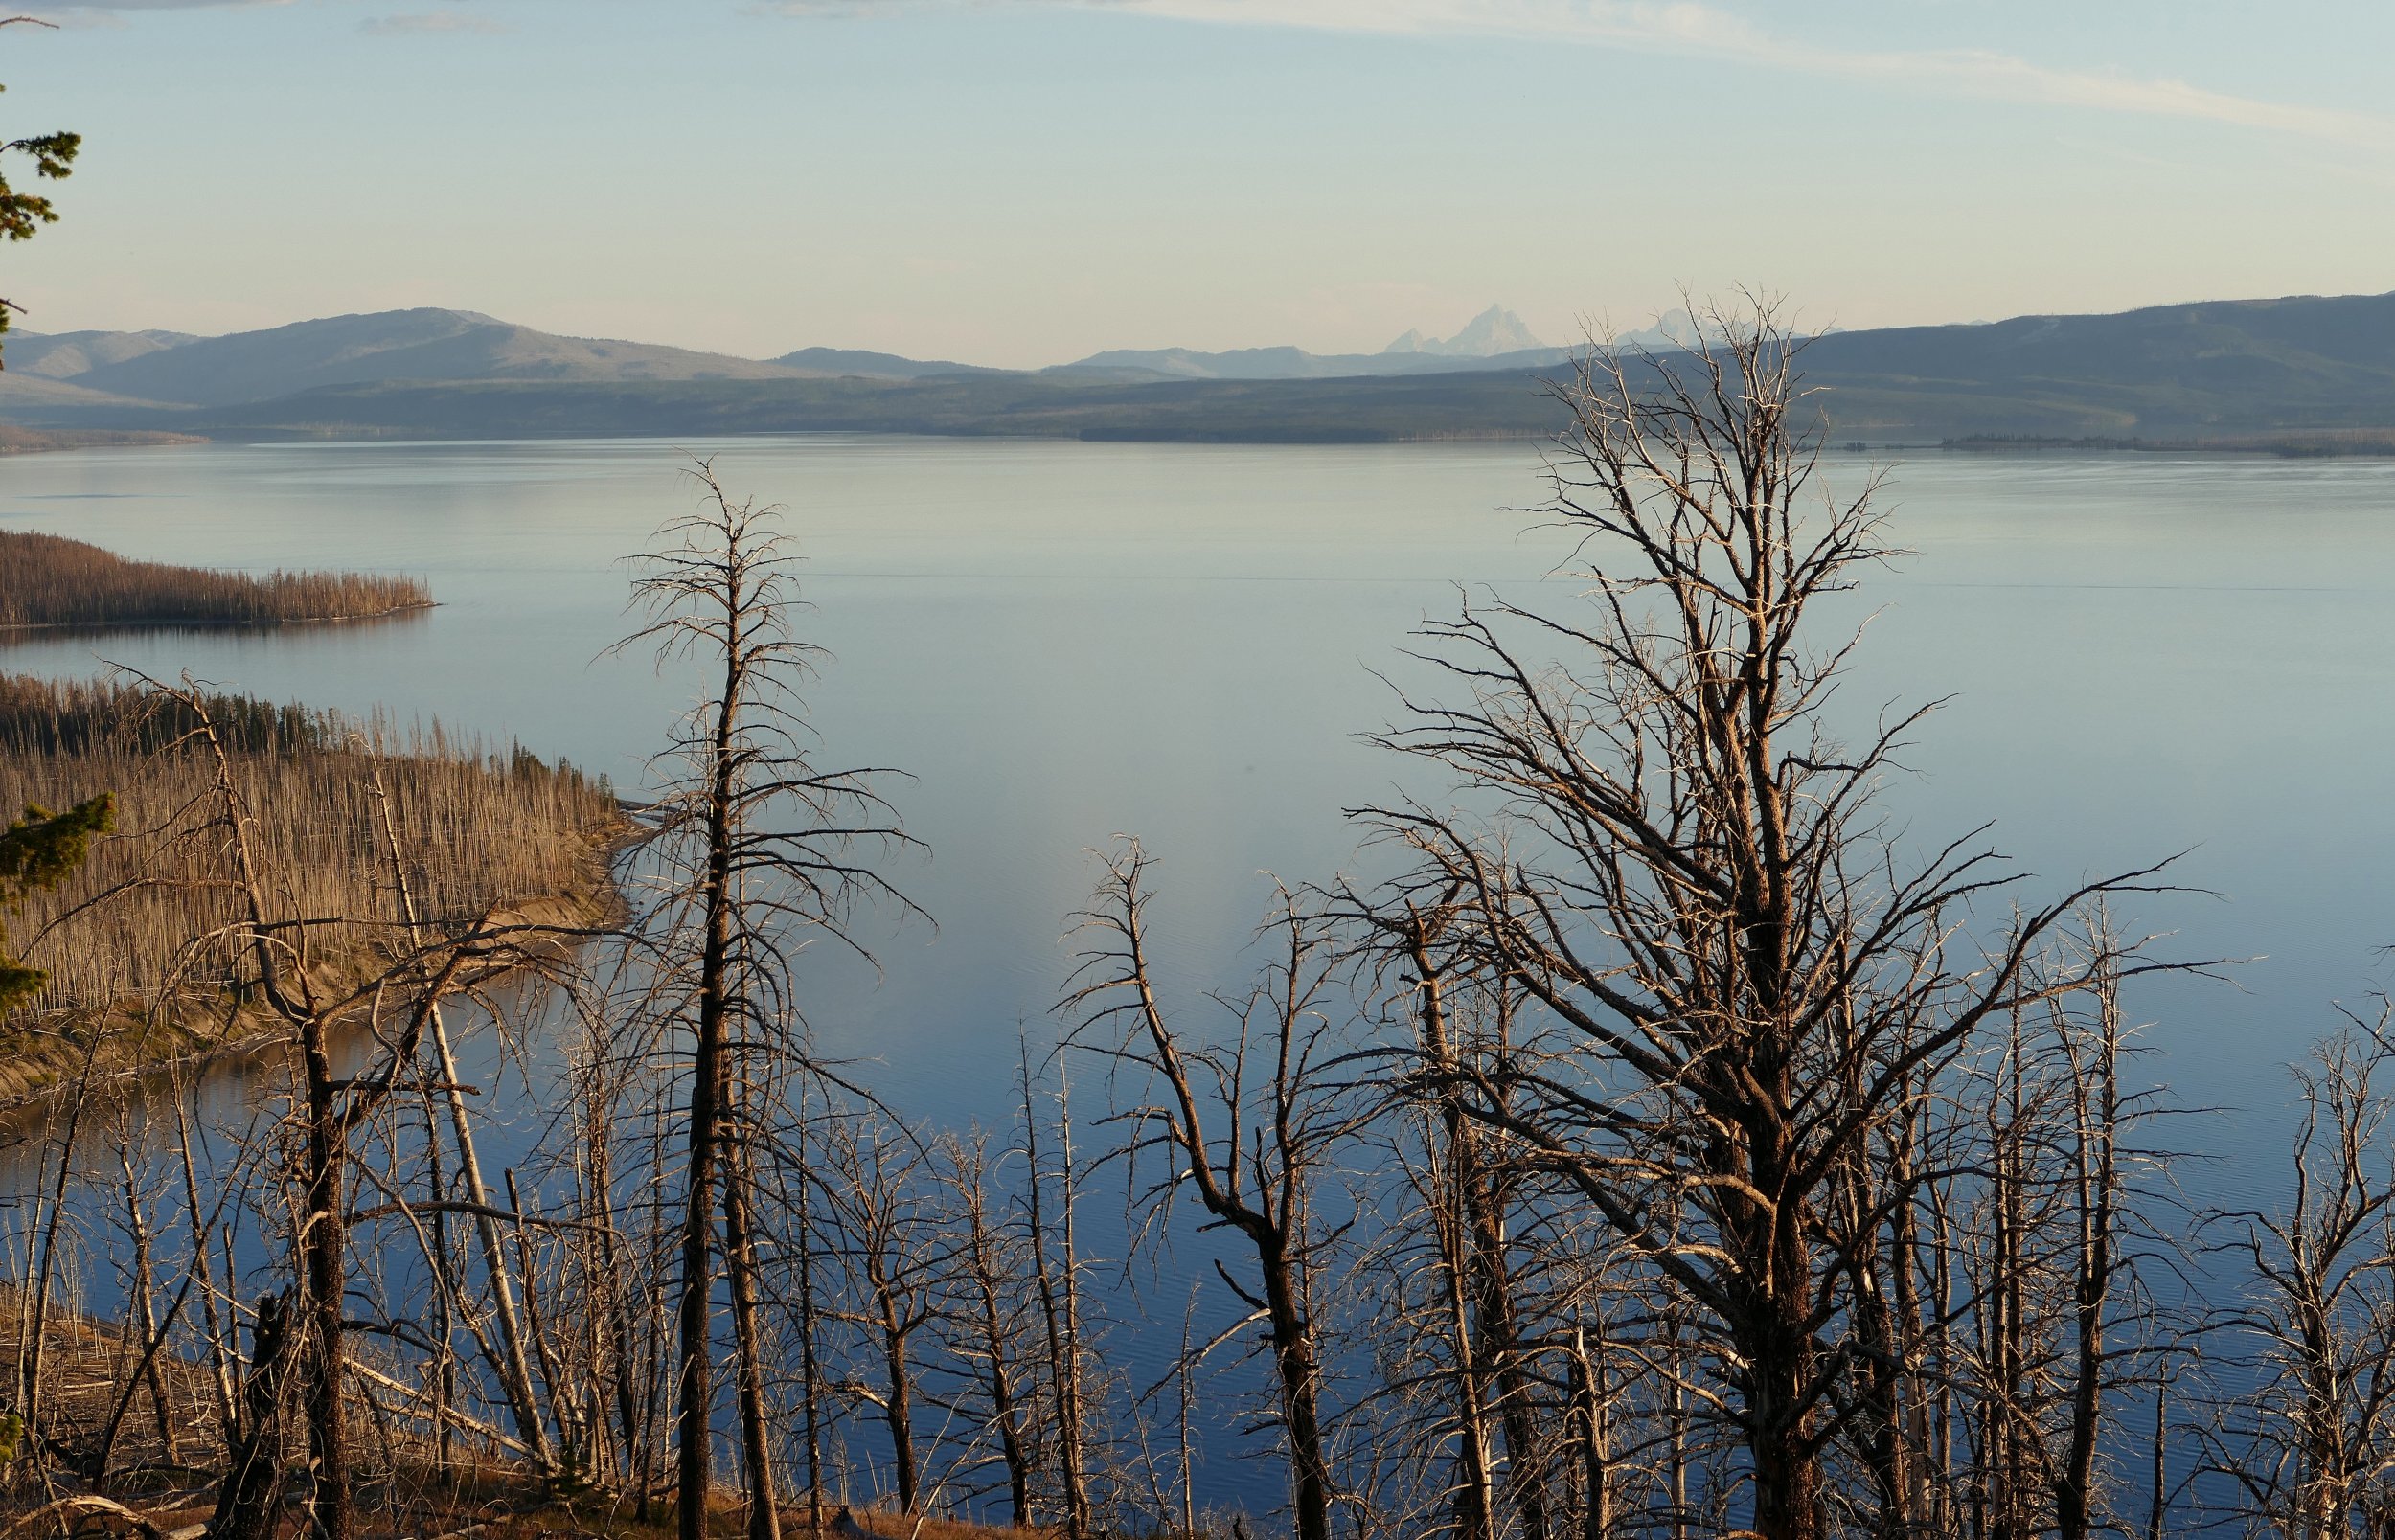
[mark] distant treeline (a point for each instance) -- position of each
(21, 441)
(476, 828)
(47, 580)
(2323, 444)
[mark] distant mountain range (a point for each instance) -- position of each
(2306, 374)
(1494, 333)
(170, 369)
(1494, 339)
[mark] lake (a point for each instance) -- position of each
(1058, 642)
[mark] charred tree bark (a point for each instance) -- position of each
(245, 1500)
(709, 1075)
(740, 1264)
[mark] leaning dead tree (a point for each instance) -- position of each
(1735, 977)
(756, 848)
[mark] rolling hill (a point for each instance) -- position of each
(2304, 373)
(840, 362)
(394, 345)
(69, 354)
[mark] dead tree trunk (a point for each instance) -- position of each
(2096, 1115)
(245, 1500)
(875, 1191)
(992, 1325)
(1259, 1175)
(759, 844)
(1589, 1402)
(740, 1265)
(1056, 1268)
(514, 1371)
(1737, 977)
(703, 1122)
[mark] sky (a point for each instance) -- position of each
(1024, 182)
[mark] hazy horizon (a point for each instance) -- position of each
(1024, 182)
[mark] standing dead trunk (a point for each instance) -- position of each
(245, 1500)
(1257, 1177)
(33, 1330)
(876, 1190)
(1475, 1481)
(1596, 1436)
(740, 1265)
(748, 813)
(702, 1148)
(221, 1379)
(2096, 1117)
(142, 1335)
(809, 1322)
(514, 1368)
(1056, 1268)
(1737, 977)
(324, 1248)
(993, 1327)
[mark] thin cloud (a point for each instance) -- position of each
(108, 8)
(427, 24)
(835, 7)
(1685, 28)
(1703, 31)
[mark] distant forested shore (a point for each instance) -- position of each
(2303, 375)
(48, 581)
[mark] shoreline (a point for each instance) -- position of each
(16, 628)
(23, 440)
(2333, 444)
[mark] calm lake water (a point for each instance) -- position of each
(1062, 642)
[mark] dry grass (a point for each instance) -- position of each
(46, 580)
(86, 1365)
(478, 829)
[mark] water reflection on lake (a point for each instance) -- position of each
(1062, 642)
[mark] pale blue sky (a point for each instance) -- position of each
(1026, 181)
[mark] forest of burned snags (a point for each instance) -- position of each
(1663, 1147)
(49, 580)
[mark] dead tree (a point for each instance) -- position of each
(1470, 1191)
(1057, 1275)
(1252, 1143)
(2047, 1162)
(872, 1181)
(2311, 1447)
(246, 1499)
(1739, 976)
(757, 846)
(2101, 1270)
(394, 1005)
(989, 1325)
(513, 1368)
